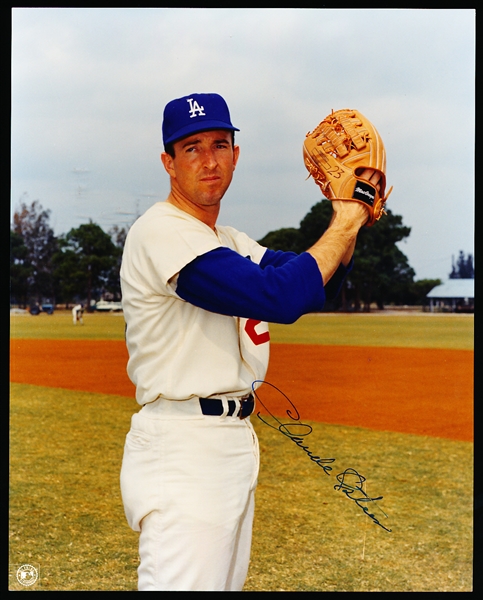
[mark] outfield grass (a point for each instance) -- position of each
(423, 330)
(97, 326)
(66, 515)
(310, 537)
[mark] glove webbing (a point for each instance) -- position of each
(349, 126)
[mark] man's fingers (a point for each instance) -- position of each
(371, 176)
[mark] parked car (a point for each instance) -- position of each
(105, 306)
(36, 309)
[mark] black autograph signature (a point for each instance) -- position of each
(356, 493)
(350, 481)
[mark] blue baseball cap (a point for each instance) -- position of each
(193, 113)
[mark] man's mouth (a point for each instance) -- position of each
(210, 178)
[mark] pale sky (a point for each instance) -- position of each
(89, 87)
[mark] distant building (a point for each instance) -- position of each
(455, 295)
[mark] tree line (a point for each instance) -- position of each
(381, 274)
(79, 266)
(83, 264)
(463, 268)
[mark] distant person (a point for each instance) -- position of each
(77, 314)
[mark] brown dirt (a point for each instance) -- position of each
(409, 390)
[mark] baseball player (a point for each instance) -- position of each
(197, 297)
(77, 314)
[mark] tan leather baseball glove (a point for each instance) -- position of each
(338, 150)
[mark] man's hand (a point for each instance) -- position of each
(337, 244)
(349, 212)
(356, 210)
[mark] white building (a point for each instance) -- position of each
(454, 295)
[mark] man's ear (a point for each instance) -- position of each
(236, 155)
(167, 161)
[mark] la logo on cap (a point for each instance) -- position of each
(210, 110)
(195, 108)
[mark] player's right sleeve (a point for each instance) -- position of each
(279, 290)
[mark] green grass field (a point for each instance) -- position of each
(66, 516)
(421, 330)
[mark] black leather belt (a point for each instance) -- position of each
(214, 406)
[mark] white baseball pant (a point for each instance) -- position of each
(188, 483)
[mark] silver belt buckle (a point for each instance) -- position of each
(242, 402)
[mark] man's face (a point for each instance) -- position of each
(202, 168)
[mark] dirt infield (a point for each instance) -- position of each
(420, 391)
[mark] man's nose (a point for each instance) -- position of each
(209, 159)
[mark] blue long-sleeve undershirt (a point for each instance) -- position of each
(282, 288)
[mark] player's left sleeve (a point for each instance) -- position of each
(334, 285)
(224, 282)
(277, 258)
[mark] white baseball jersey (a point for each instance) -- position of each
(177, 350)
